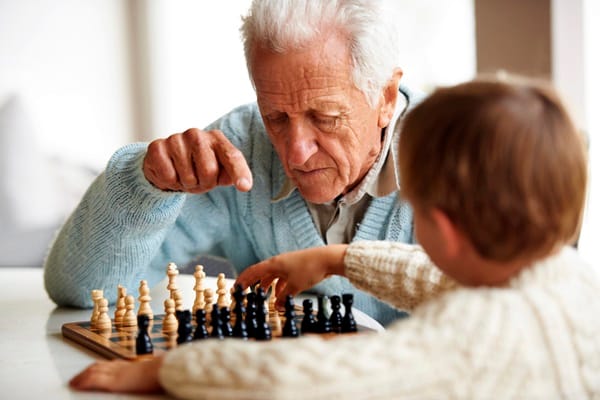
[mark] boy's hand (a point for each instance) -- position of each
(120, 376)
(296, 271)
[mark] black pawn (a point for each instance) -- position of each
(289, 328)
(216, 323)
(239, 328)
(348, 322)
(225, 316)
(200, 332)
(184, 327)
(251, 322)
(336, 316)
(309, 323)
(143, 343)
(263, 329)
(323, 323)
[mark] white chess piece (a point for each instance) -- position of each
(129, 319)
(170, 322)
(120, 306)
(96, 296)
(199, 303)
(144, 300)
(103, 323)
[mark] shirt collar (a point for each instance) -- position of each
(382, 178)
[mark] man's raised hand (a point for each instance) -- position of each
(196, 161)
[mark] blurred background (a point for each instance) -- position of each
(80, 78)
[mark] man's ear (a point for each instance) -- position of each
(450, 235)
(389, 96)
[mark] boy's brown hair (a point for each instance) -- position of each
(502, 160)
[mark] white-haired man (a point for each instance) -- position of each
(311, 163)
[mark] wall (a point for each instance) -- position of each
(67, 60)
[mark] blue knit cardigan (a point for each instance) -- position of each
(125, 229)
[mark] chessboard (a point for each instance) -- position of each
(118, 337)
(122, 344)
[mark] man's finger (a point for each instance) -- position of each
(234, 163)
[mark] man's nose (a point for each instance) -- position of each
(301, 144)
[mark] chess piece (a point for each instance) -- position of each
(216, 324)
(96, 295)
(177, 297)
(336, 316)
(120, 306)
(251, 322)
(272, 297)
(200, 332)
(289, 328)
(348, 322)
(129, 319)
(103, 323)
(309, 323)
(208, 300)
(184, 326)
(170, 322)
(144, 300)
(199, 275)
(143, 343)
(222, 295)
(239, 328)
(172, 273)
(263, 331)
(225, 315)
(323, 324)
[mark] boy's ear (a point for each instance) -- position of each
(389, 96)
(451, 236)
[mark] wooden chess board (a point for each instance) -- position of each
(121, 343)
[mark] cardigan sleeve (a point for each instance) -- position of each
(398, 273)
(409, 360)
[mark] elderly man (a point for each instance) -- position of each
(311, 163)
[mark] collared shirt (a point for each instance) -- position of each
(339, 219)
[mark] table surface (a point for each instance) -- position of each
(35, 360)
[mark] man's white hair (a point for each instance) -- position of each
(288, 25)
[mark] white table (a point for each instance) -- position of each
(36, 362)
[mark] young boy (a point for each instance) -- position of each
(501, 306)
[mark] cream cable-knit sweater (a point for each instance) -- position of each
(538, 337)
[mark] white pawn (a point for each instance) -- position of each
(208, 300)
(96, 296)
(145, 300)
(177, 297)
(120, 306)
(129, 319)
(199, 303)
(172, 273)
(170, 322)
(103, 323)
(223, 298)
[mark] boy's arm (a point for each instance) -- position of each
(398, 273)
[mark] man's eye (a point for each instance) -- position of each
(276, 118)
(326, 123)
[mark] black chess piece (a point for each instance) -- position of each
(323, 323)
(348, 322)
(143, 343)
(336, 316)
(184, 327)
(201, 332)
(263, 331)
(251, 322)
(289, 328)
(225, 316)
(239, 328)
(216, 323)
(309, 323)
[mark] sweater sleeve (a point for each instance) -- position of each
(112, 235)
(410, 360)
(398, 273)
